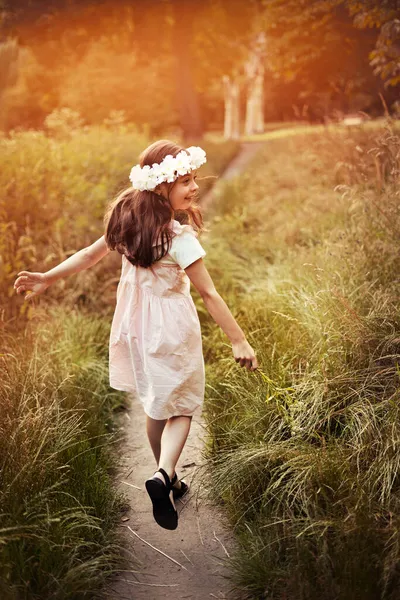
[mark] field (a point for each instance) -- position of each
(304, 454)
(58, 435)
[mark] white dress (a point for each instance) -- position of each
(155, 342)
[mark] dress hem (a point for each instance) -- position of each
(198, 409)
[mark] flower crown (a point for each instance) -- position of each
(169, 169)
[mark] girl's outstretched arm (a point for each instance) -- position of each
(218, 309)
(37, 283)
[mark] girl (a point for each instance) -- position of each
(155, 349)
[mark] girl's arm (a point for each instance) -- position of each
(221, 314)
(36, 283)
(83, 259)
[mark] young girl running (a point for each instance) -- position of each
(155, 347)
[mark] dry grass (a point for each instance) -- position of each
(58, 508)
(305, 453)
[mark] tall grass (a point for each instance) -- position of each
(58, 508)
(305, 453)
(54, 190)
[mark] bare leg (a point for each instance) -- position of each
(173, 440)
(154, 429)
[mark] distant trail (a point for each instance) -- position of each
(203, 539)
(246, 152)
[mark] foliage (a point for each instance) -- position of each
(304, 452)
(96, 86)
(54, 194)
(386, 57)
(58, 508)
(321, 57)
(55, 189)
(226, 30)
(78, 55)
(32, 97)
(8, 62)
(63, 122)
(384, 15)
(373, 13)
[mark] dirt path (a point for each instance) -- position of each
(195, 566)
(236, 166)
(199, 544)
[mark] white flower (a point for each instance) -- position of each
(147, 178)
(197, 156)
(167, 164)
(167, 168)
(158, 173)
(137, 178)
(182, 163)
(151, 183)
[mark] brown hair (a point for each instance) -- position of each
(136, 220)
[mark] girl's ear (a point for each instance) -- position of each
(161, 190)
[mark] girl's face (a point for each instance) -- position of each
(182, 192)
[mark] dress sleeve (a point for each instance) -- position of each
(186, 248)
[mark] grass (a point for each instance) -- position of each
(59, 439)
(304, 454)
(284, 129)
(53, 194)
(218, 135)
(58, 507)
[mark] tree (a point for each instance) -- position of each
(314, 45)
(385, 16)
(62, 32)
(8, 64)
(317, 60)
(228, 51)
(254, 121)
(232, 107)
(187, 98)
(9, 54)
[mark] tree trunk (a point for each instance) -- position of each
(251, 70)
(232, 118)
(254, 121)
(236, 110)
(259, 101)
(187, 98)
(8, 70)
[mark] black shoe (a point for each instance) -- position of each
(181, 491)
(164, 511)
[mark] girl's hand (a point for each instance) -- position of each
(244, 354)
(35, 283)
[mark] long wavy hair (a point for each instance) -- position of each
(137, 224)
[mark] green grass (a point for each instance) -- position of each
(58, 507)
(278, 130)
(273, 126)
(59, 441)
(304, 454)
(53, 195)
